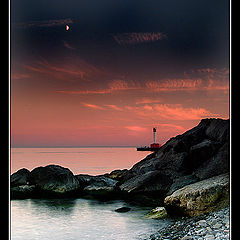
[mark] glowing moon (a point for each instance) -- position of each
(67, 27)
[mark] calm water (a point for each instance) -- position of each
(79, 219)
(91, 161)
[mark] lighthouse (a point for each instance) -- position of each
(154, 135)
(153, 146)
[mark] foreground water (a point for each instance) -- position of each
(79, 219)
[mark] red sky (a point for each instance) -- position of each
(116, 112)
(119, 71)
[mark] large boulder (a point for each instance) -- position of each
(20, 177)
(53, 179)
(198, 154)
(199, 198)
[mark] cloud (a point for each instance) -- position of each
(113, 86)
(136, 128)
(168, 126)
(148, 101)
(178, 112)
(92, 106)
(114, 107)
(141, 37)
(19, 76)
(67, 45)
(187, 84)
(65, 70)
(174, 84)
(45, 23)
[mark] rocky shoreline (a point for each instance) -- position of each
(188, 176)
(212, 226)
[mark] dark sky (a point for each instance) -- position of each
(119, 45)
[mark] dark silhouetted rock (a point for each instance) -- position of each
(101, 183)
(197, 154)
(117, 174)
(20, 177)
(22, 192)
(53, 178)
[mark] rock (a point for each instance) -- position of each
(157, 213)
(117, 174)
(198, 154)
(201, 223)
(123, 209)
(101, 183)
(187, 238)
(84, 180)
(147, 182)
(22, 192)
(20, 177)
(201, 197)
(53, 179)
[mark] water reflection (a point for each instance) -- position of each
(61, 206)
(65, 219)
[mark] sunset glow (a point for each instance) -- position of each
(108, 84)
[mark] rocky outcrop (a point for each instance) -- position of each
(201, 197)
(20, 177)
(198, 154)
(57, 181)
(48, 181)
(53, 178)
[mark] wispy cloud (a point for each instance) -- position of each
(172, 112)
(113, 86)
(188, 84)
(19, 76)
(45, 23)
(92, 106)
(136, 128)
(65, 71)
(114, 107)
(138, 37)
(67, 45)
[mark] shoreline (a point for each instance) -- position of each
(212, 226)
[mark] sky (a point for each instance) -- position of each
(122, 68)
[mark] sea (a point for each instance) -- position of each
(79, 219)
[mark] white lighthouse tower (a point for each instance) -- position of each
(154, 135)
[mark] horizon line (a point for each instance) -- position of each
(69, 146)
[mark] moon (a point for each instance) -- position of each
(67, 27)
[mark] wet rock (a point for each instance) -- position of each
(123, 209)
(200, 197)
(157, 213)
(197, 228)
